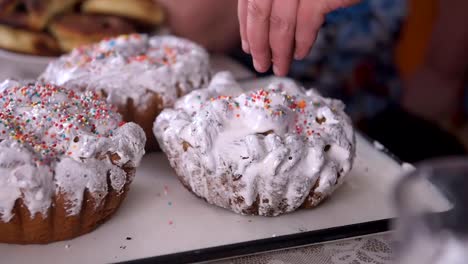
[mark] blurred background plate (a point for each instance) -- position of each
(21, 66)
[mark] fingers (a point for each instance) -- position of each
(278, 29)
(242, 15)
(282, 31)
(310, 17)
(257, 29)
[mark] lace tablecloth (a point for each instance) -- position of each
(374, 249)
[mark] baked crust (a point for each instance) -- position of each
(74, 30)
(258, 152)
(144, 11)
(58, 225)
(66, 162)
(139, 74)
(33, 14)
(30, 42)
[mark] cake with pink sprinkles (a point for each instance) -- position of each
(139, 74)
(258, 150)
(66, 161)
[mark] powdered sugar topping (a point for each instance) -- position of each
(273, 146)
(50, 140)
(132, 67)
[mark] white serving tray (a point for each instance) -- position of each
(164, 220)
(161, 222)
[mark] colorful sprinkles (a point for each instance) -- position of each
(140, 52)
(48, 119)
(264, 99)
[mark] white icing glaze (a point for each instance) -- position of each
(51, 139)
(378, 145)
(407, 167)
(133, 67)
(271, 147)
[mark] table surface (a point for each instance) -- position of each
(371, 249)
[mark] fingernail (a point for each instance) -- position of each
(257, 65)
(298, 56)
(276, 70)
(245, 46)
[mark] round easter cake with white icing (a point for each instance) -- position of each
(138, 73)
(267, 151)
(66, 162)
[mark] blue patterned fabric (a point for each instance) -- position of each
(352, 58)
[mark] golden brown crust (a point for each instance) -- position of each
(58, 225)
(313, 200)
(24, 41)
(144, 117)
(17, 21)
(33, 14)
(145, 11)
(74, 30)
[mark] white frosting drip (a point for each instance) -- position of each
(271, 147)
(20, 177)
(134, 67)
(52, 140)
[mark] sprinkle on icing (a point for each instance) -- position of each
(261, 99)
(51, 140)
(108, 48)
(134, 66)
(260, 151)
(30, 117)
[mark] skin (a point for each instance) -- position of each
(276, 31)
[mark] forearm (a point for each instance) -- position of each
(448, 49)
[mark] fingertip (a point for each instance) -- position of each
(299, 55)
(260, 67)
(245, 47)
(302, 50)
(275, 70)
(278, 71)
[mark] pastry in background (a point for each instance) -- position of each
(266, 151)
(139, 74)
(6, 6)
(148, 12)
(74, 30)
(29, 42)
(38, 25)
(33, 14)
(66, 162)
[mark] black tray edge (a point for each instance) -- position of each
(271, 244)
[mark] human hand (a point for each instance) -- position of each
(275, 31)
